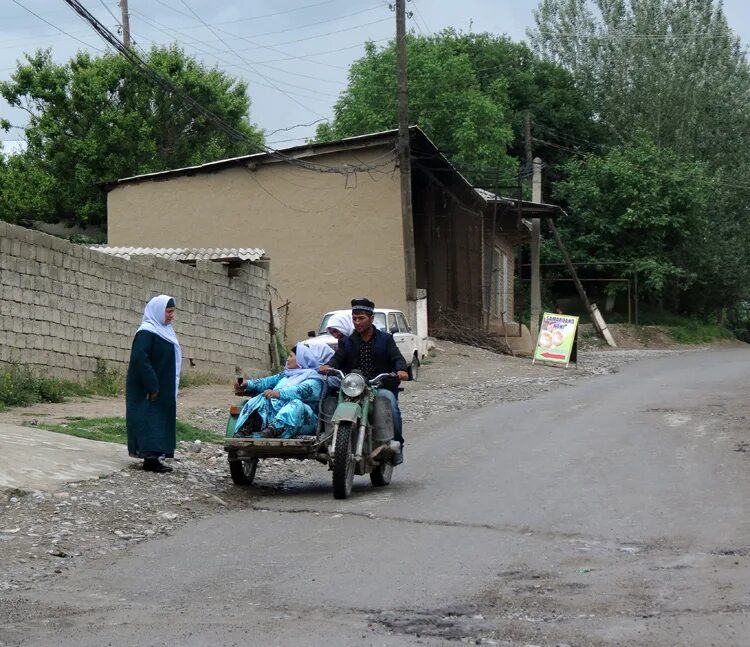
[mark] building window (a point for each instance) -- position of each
(499, 286)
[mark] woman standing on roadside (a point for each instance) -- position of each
(151, 386)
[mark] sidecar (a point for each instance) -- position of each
(243, 454)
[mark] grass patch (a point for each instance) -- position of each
(694, 332)
(687, 330)
(113, 430)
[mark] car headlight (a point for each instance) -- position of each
(353, 385)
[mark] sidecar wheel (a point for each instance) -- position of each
(343, 462)
(243, 472)
(381, 475)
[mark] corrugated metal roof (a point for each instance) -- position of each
(185, 254)
(489, 196)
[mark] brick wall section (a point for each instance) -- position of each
(62, 306)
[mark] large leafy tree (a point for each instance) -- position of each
(670, 67)
(471, 94)
(640, 203)
(99, 118)
(670, 73)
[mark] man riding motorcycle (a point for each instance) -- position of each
(372, 351)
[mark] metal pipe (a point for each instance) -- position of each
(360, 442)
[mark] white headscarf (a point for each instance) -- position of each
(309, 360)
(153, 321)
(341, 321)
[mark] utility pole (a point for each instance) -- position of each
(404, 154)
(125, 23)
(536, 234)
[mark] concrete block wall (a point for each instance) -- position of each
(64, 306)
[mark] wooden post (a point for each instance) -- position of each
(404, 155)
(596, 317)
(125, 23)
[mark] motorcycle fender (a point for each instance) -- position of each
(347, 412)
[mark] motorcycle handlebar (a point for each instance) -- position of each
(336, 373)
(379, 378)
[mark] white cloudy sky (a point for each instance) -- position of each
(293, 53)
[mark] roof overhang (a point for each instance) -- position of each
(514, 216)
(300, 152)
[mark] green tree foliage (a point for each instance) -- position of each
(95, 119)
(670, 67)
(470, 93)
(639, 203)
(670, 88)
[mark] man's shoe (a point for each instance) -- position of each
(398, 457)
(155, 465)
(269, 432)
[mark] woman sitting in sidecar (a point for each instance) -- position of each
(285, 405)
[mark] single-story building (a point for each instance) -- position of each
(328, 215)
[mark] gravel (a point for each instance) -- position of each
(43, 534)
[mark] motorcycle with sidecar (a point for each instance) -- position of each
(354, 436)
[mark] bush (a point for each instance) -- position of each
(106, 381)
(694, 332)
(20, 386)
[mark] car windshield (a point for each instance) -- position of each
(379, 322)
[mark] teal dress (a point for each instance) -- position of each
(151, 425)
(293, 413)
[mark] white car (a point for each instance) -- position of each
(393, 321)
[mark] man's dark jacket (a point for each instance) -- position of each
(386, 356)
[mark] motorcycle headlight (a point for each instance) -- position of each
(353, 385)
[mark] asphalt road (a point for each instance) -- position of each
(613, 512)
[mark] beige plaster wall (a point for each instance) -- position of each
(329, 237)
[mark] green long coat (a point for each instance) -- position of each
(151, 425)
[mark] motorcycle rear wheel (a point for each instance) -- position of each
(343, 461)
(381, 475)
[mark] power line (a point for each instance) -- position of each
(287, 128)
(635, 37)
(263, 76)
(246, 67)
(172, 31)
(56, 27)
(234, 22)
(134, 59)
(320, 22)
(272, 46)
(191, 43)
(330, 33)
(109, 11)
(419, 13)
(329, 51)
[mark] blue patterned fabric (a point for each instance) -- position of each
(294, 412)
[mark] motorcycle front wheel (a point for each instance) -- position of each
(343, 461)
